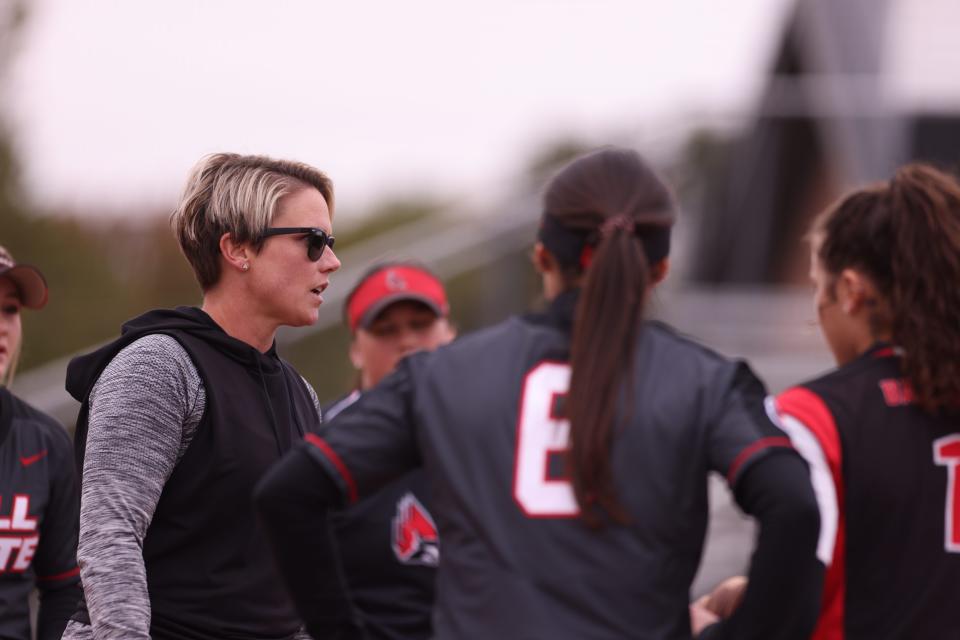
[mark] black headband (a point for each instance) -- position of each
(567, 245)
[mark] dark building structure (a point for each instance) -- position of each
(857, 87)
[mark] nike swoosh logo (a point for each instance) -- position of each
(29, 460)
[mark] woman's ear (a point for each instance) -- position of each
(236, 254)
(543, 260)
(854, 290)
(659, 271)
(356, 357)
(449, 331)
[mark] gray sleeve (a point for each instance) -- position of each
(144, 411)
(313, 396)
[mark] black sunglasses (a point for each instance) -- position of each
(317, 239)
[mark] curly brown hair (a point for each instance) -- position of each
(904, 234)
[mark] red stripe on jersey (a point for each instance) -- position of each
(885, 352)
(60, 576)
(810, 409)
(749, 451)
(332, 456)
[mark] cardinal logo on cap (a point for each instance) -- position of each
(394, 281)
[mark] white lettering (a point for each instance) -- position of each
(7, 545)
(28, 547)
(21, 519)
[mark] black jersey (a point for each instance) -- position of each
(389, 549)
(895, 569)
(39, 514)
(482, 416)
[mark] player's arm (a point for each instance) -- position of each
(294, 500)
(771, 482)
(139, 410)
(55, 563)
(361, 450)
(810, 426)
(782, 598)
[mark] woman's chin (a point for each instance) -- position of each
(305, 318)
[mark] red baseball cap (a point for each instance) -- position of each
(389, 283)
(30, 283)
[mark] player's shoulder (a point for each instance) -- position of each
(512, 328)
(499, 339)
(153, 348)
(158, 359)
(664, 347)
(487, 353)
(48, 427)
(670, 338)
(330, 411)
(846, 384)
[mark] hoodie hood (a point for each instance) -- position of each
(84, 371)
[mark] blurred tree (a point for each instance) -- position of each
(13, 15)
(554, 155)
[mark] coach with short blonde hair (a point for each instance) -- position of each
(185, 410)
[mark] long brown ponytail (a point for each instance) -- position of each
(615, 202)
(905, 235)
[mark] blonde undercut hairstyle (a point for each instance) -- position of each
(239, 195)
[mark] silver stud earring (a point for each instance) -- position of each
(245, 266)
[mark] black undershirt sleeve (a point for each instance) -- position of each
(293, 501)
(56, 607)
(782, 600)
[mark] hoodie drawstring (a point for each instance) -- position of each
(273, 416)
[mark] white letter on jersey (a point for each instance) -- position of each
(28, 547)
(946, 452)
(7, 545)
(21, 520)
(540, 433)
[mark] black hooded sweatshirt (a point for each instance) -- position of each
(209, 570)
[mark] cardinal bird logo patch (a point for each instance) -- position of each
(395, 281)
(415, 538)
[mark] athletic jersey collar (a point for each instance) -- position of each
(882, 349)
(559, 314)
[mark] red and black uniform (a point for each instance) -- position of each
(389, 550)
(484, 417)
(895, 568)
(39, 516)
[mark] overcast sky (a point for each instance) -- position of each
(114, 100)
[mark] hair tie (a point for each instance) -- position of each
(620, 222)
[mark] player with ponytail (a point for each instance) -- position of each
(882, 432)
(606, 229)
(568, 451)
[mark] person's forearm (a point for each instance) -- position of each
(114, 586)
(293, 500)
(785, 582)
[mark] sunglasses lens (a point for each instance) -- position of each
(316, 244)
